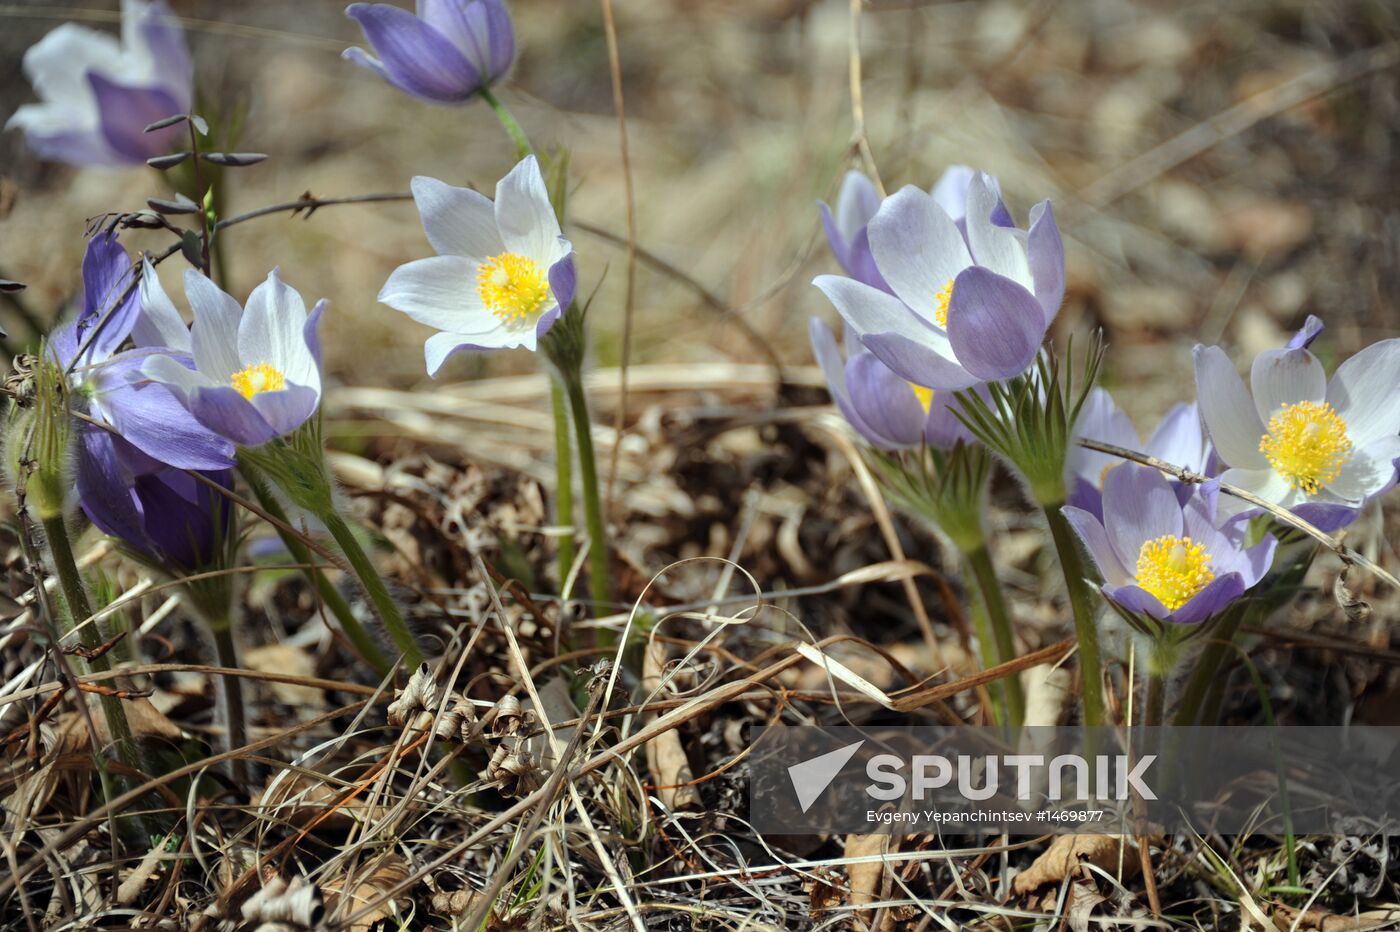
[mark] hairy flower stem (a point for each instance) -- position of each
(563, 478)
(599, 575)
(374, 587)
(331, 598)
(77, 608)
(998, 643)
(231, 688)
(1082, 605)
(516, 133)
(1206, 671)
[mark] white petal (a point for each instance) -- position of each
(1283, 377)
(994, 247)
(458, 221)
(273, 331)
(439, 291)
(159, 323)
(214, 336)
(868, 310)
(951, 190)
(855, 204)
(524, 215)
(917, 248)
(1368, 471)
(1265, 483)
(57, 66)
(1365, 391)
(167, 371)
(1227, 409)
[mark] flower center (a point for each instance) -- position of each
(941, 300)
(512, 287)
(1307, 444)
(256, 379)
(925, 396)
(1173, 569)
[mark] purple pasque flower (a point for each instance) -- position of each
(503, 272)
(1178, 439)
(964, 309)
(167, 517)
(1164, 559)
(887, 411)
(446, 54)
(256, 371)
(97, 95)
(1319, 448)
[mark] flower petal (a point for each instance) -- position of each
(111, 303)
(525, 216)
(481, 31)
(287, 409)
(273, 331)
(917, 248)
(1210, 601)
(1283, 377)
(153, 418)
(125, 112)
(943, 428)
(1363, 391)
(951, 190)
(1138, 506)
(563, 279)
(1369, 472)
(159, 323)
(1096, 543)
(439, 291)
(1264, 483)
(1046, 253)
(1306, 334)
(997, 248)
(1179, 439)
(1227, 409)
(1099, 419)
(458, 221)
(994, 325)
(1138, 600)
(885, 402)
(225, 411)
(414, 56)
(214, 336)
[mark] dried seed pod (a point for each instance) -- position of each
(9, 287)
(166, 162)
(506, 717)
(181, 205)
(514, 770)
(418, 696)
(233, 159)
(458, 720)
(297, 903)
(168, 121)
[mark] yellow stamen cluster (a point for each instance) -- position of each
(256, 379)
(512, 287)
(1173, 569)
(925, 396)
(1307, 444)
(941, 302)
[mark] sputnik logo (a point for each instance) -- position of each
(811, 777)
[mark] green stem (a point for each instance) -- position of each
(374, 587)
(1082, 605)
(232, 688)
(331, 598)
(564, 479)
(1207, 669)
(78, 609)
(1154, 697)
(599, 578)
(517, 134)
(998, 643)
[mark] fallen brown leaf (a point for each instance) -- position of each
(1067, 852)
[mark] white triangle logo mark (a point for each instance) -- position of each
(811, 777)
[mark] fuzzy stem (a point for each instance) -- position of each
(1082, 605)
(330, 595)
(232, 689)
(513, 128)
(1000, 646)
(599, 580)
(1154, 697)
(78, 608)
(1207, 670)
(374, 587)
(564, 479)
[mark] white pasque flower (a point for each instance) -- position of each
(1303, 440)
(257, 370)
(503, 273)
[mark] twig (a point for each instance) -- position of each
(858, 138)
(1344, 553)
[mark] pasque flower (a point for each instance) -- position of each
(887, 411)
(257, 369)
(167, 517)
(1178, 440)
(503, 272)
(98, 95)
(964, 308)
(1165, 559)
(1317, 447)
(446, 54)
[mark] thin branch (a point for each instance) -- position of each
(1344, 553)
